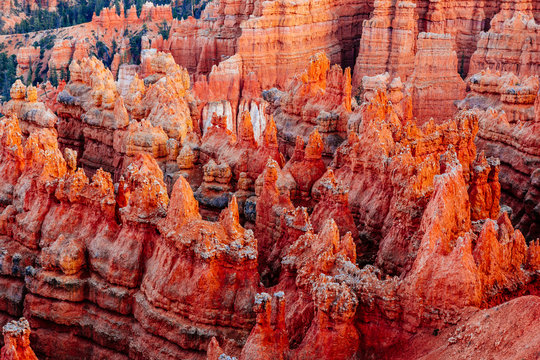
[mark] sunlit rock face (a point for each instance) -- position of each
(276, 180)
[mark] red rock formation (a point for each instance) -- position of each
(109, 18)
(156, 63)
(485, 189)
(268, 339)
(384, 145)
(60, 58)
(505, 47)
(223, 83)
(306, 166)
(142, 137)
(253, 102)
(48, 94)
(312, 259)
(464, 20)
(320, 98)
(401, 59)
(81, 50)
(503, 92)
(480, 334)
(240, 158)
(272, 206)
(189, 241)
(91, 113)
(17, 341)
(332, 333)
(469, 272)
(322, 287)
(95, 122)
(333, 204)
(375, 43)
(126, 74)
(435, 83)
(32, 114)
(234, 27)
(151, 12)
(455, 269)
(397, 94)
(12, 159)
(402, 236)
(329, 26)
(388, 42)
(26, 57)
(92, 248)
(215, 191)
(194, 45)
(166, 101)
(508, 128)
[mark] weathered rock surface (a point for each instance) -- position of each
(435, 83)
(488, 331)
(24, 105)
(98, 257)
(26, 57)
(147, 212)
(61, 55)
(511, 44)
(509, 130)
(388, 41)
(318, 99)
(17, 341)
(108, 18)
(253, 29)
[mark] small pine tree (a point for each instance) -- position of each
(138, 6)
(164, 30)
(53, 78)
(30, 75)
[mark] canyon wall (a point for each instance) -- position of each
(254, 31)
(509, 130)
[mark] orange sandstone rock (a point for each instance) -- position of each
(388, 41)
(26, 58)
(268, 339)
(17, 341)
(435, 83)
(318, 99)
(508, 128)
(32, 114)
(504, 47)
(60, 59)
(402, 235)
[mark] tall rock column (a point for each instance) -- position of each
(375, 43)
(435, 83)
(401, 61)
